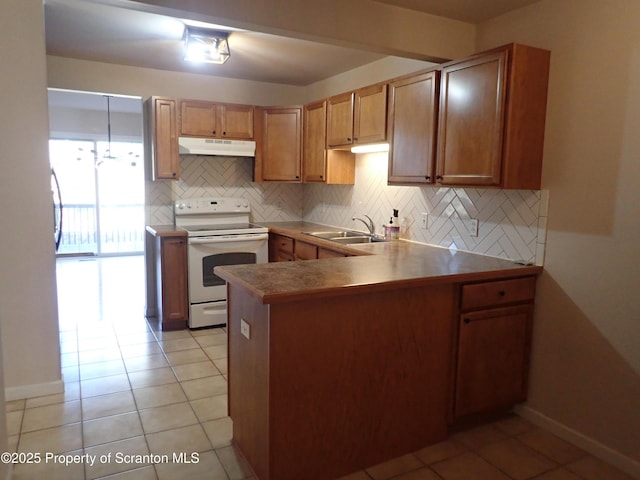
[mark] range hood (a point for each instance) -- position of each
(215, 146)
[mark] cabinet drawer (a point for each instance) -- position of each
(486, 294)
(283, 244)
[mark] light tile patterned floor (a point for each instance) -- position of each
(134, 391)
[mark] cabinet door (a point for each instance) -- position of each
(198, 119)
(305, 251)
(472, 105)
(280, 144)
(280, 248)
(412, 128)
(340, 120)
(173, 281)
(493, 358)
(328, 253)
(236, 121)
(370, 114)
(164, 134)
(315, 154)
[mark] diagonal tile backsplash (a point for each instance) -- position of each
(512, 223)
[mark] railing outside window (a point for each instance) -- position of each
(122, 229)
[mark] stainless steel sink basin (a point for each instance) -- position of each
(346, 237)
(337, 234)
(349, 240)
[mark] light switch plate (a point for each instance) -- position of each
(245, 329)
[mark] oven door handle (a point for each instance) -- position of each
(249, 237)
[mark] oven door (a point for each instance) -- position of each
(206, 253)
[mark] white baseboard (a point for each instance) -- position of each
(622, 462)
(34, 390)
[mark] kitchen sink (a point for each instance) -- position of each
(346, 237)
(334, 235)
(360, 239)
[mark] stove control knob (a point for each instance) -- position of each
(180, 206)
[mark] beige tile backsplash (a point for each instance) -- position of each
(512, 223)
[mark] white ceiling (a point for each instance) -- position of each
(94, 30)
(472, 11)
(107, 33)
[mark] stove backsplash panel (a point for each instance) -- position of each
(204, 176)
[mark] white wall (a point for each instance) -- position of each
(586, 361)
(28, 307)
(83, 75)
(74, 123)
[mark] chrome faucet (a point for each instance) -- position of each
(369, 224)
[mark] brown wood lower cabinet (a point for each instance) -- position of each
(305, 251)
(326, 386)
(287, 249)
(171, 271)
(280, 248)
(328, 253)
(494, 338)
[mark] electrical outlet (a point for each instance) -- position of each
(245, 329)
(424, 221)
(472, 227)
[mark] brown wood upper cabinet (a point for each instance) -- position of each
(492, 118)
(278, 133)
(320, 165)
(161, 137)
(413, 119)
(216, 120)
(358, 117)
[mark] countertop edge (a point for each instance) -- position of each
(326, 292)
(165, 231)
(235, 275)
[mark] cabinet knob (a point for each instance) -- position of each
(174, 174)
(438, 177)
(224, 133)
(427, 177)
(297, 177)
(348, 139)
(502, 293)
(321, 177)
(467, 320)
(213, 132)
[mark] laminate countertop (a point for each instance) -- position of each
(377, 266)
(166, 231)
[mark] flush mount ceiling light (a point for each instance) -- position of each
(206, 46)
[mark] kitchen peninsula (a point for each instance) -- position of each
(342, 363)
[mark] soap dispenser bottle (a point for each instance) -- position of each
(392, 229)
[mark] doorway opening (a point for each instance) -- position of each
(96, 155)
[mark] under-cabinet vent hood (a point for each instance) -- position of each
(215, 146)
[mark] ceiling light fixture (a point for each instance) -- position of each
(108, 155)
(206, 46)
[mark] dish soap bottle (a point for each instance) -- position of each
(392, 230)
